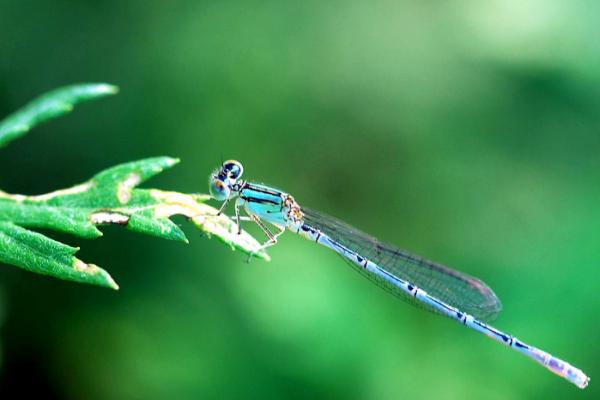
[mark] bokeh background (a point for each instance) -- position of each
(465, 131)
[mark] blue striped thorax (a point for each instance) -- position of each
(271, 205)
(268, 204)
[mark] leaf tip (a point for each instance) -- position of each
(172, 161)
(179, 235)
(111, 283)
(265, 256)
(105, 88)
(186, 240)
(92, 273)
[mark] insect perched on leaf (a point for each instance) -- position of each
(432, 286)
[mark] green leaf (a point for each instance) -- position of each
(48, 106)
(71, 210)
(110, 197)
(38, 253)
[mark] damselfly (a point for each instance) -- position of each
(432, 286)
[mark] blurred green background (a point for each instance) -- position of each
(464, 131)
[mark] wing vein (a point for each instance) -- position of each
(453, 287)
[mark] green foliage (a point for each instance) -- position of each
(110, 197)
(38, 253)
(50, 105)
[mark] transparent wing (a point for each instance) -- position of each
(455, 288)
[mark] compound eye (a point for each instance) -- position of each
(218, 189)
(233, 169)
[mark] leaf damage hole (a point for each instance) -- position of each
(109, 217)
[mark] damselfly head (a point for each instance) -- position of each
(221, 181)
